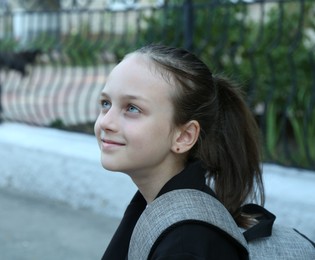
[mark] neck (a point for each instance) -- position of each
(151, 182)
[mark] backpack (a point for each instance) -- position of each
(279, 242)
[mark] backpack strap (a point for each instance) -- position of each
(264, 227)
(177, 206)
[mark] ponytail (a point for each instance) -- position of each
(235, 153)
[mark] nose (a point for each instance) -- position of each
(108, 120)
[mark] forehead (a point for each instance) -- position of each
(136, 74)
(133, 63)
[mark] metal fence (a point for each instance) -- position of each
(54, 62)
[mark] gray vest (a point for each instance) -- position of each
(187, 204)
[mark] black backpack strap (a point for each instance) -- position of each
(264, 227)
(177, 206)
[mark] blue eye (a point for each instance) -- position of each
(133, 109)
(105, 104)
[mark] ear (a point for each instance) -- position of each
(185, 137)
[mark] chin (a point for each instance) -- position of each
(110, 167)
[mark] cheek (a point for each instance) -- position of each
(152, 138)
(97, 127)
(138, 136)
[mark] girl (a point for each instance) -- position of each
(170, 124)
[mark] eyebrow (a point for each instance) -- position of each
(128, 97)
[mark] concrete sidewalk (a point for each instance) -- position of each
(57, 202)
(33, 228)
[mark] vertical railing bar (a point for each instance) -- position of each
(293, 91)
(188, 22)
(251, 53)
(309, 133)
(270, 93)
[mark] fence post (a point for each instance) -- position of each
(188, 21)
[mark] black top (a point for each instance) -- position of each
(189, 240)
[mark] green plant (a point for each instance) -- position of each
(82, 48)
(270, 56)
(8, 44)
(302, 119)
(44, 42)
(285, 83)
(57, 123)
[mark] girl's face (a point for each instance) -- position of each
(134, 128)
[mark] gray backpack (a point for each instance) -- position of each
(188, 204)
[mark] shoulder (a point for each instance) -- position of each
(195, 240)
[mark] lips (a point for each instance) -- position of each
(106, 141)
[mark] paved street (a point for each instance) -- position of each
(32, 228)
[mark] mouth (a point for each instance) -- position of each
(111, 142)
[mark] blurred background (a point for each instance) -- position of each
(55, 56)
(54, 60)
